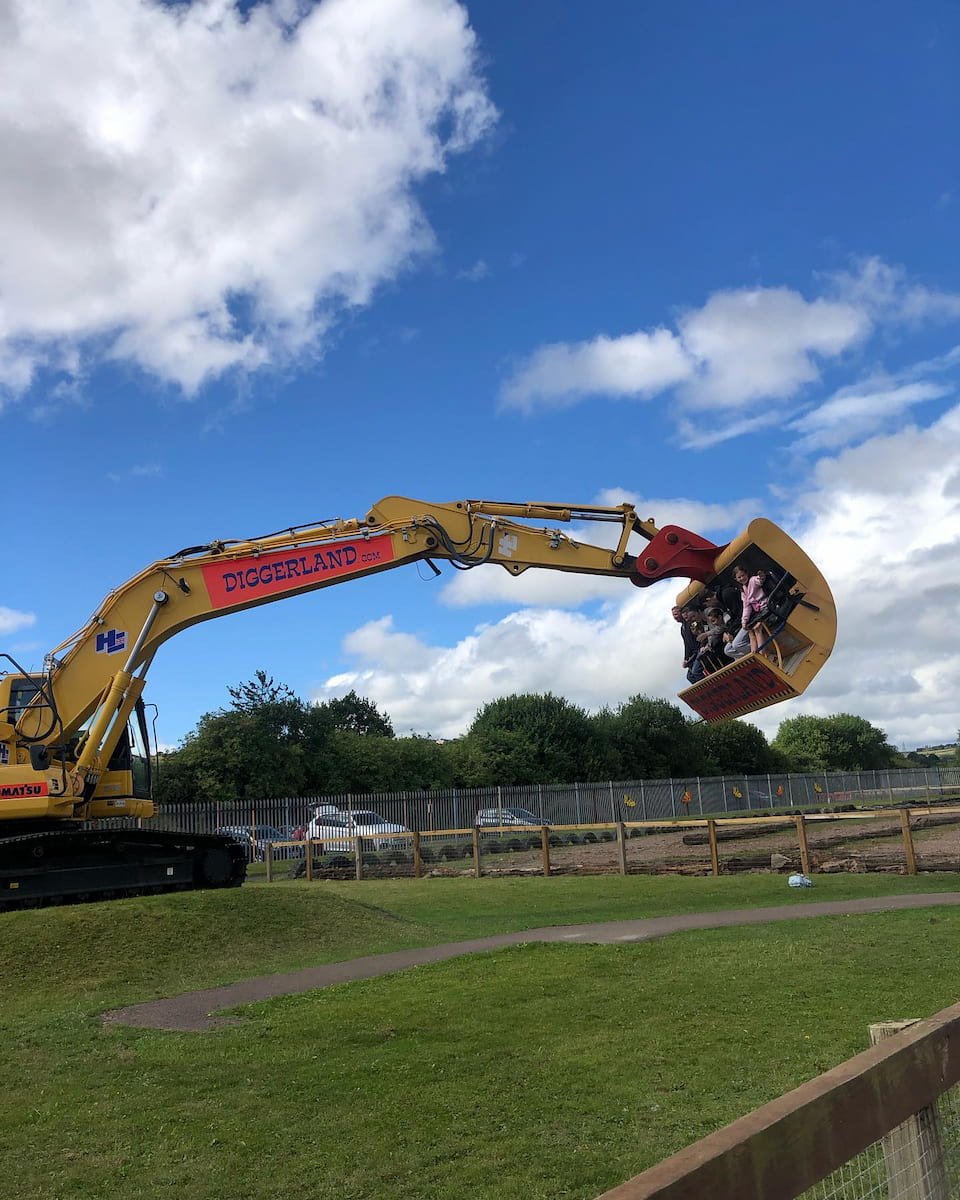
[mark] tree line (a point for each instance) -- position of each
(270, 742)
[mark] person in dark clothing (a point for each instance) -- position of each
(711, 656)
(691, 627)
(690, 643)
(731, 601)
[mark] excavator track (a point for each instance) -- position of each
(71, 866)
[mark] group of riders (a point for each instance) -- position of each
(722, 625)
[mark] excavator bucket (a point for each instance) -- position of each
(795, 637)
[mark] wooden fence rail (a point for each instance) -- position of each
(786, 1147)
(352, 848)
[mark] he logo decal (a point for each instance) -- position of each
(111, 642)
(507, 544)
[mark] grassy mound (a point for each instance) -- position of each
(136, 949)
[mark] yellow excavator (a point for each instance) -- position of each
(68, 733)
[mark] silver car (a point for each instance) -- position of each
(256, 837)
(507, 817)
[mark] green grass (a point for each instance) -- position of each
(538, 1071)
(465, 908)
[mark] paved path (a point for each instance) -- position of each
(197, 1011)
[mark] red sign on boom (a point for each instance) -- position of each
(242, 580)
(738, 688)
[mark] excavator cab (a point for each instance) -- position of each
(795, 636)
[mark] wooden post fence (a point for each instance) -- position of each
(714, 852)
(802, 839)
(794, 1142)
(622, 846)
(908, 841)
(913, 1152)
(417, 860)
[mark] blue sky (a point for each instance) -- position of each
(263, 269)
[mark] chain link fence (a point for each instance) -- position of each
(918, 1160)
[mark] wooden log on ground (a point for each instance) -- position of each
(857, 863)
(735, 833)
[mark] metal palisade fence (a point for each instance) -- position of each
(581, 803)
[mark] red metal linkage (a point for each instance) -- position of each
(676, 552)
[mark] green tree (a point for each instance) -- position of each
(652, 739)
(256, 693)
(175, 781)
(269, 742)
(238, 756)
(735, 747)
(418, 762)
(528, 738)
(842, 742)
(252, 749)
(342, 743)
(607, 759)
(358, 715)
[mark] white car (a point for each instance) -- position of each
(336, 830)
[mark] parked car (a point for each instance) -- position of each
(255, 838)
(487, 817)
(336, 830)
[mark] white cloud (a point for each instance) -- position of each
(590, 661)
(491, 584)
(763, 344)
(12, 621)
(137, 472)
(637, 364)
(860, 409)
(733, 364)
(479, 270)
(695, 434)
(887, 293)
(378, 642)
(719, 521)
(881, 520)
(194, 190)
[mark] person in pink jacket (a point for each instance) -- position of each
(754, 605)
(754, 601)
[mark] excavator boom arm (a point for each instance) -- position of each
(94, 678)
